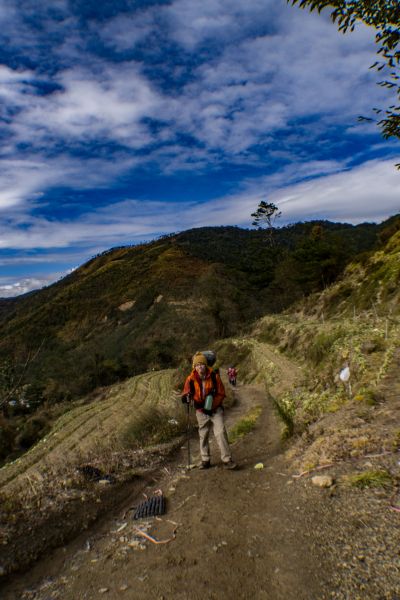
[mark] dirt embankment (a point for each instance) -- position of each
(250, 533)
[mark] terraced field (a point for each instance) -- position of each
(87, 431)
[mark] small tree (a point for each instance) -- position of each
(12, 379)
(265, 216)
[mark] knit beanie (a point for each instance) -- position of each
(199, 359)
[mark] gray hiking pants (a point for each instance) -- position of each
(216, 421)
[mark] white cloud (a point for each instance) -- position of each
(102, 104)
(192, 23)
(369, 192)
(250, 89)
(265, 83)
(124, 31)
(252, 86)
(25, 180)
(10, 288)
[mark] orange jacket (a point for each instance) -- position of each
(195, 389)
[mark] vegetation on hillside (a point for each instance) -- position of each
(358, 330)
(135, 309)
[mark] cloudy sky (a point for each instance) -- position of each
(122, 120)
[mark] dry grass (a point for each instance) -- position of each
(370, 478)
(89, 434)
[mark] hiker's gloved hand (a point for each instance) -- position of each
(186, 399)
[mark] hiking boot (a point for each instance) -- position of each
(205, 464)
(230, 465)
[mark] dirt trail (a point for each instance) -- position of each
(242, 534)
(239, 534)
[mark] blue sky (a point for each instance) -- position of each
(122, 120)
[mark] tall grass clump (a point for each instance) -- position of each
(321, 346)
(370, 478)
(231, 353)
(285, 409)
(152, 426)
(245, 425)
(271, 331)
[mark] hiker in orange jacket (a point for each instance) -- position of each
(205, 388)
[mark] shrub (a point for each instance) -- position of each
(286, 410)
(245, 425)
(32, 431)
(152, 426)
(378, 478)
(229, 353)
(321, 346)
(366, 396)
(271, 332)
(396, 440)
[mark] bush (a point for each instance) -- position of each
(271, 332)
(32, 431)
(229, 353)
(245, 425)
(378, 478)
(152, 426)
(321, 346)
(366, 396)
(285, 409)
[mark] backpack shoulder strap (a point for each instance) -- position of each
(214, 381)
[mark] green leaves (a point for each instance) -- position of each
(266, 214)
(384, 16)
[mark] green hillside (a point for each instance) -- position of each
(135, 309)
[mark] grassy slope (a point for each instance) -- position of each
(354, 323)
(135, 307)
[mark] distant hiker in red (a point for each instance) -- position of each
(232, 374)
(205, 388)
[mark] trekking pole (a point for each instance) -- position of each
(188, 434)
